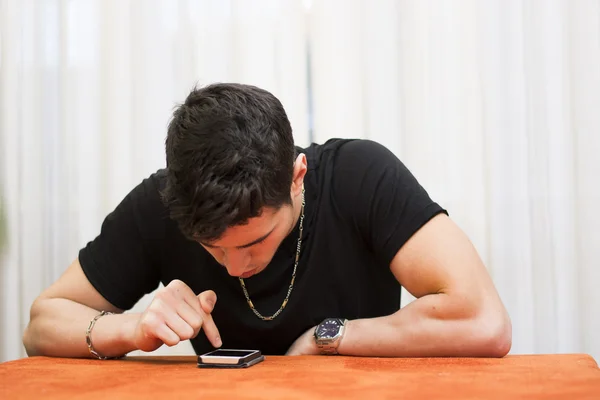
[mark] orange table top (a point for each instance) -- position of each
(569, 376)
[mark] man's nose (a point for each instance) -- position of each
(236, 261)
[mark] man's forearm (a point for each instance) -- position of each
(57, 328)
(435, 325)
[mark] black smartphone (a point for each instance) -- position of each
(230, 358)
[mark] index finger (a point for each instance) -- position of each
(206, 302)
(210, 330)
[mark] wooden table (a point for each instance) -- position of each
(570, 377)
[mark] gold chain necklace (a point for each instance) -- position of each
(287, 297)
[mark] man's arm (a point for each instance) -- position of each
(457, 311)
(62, 313)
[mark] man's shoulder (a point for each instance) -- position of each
(151, 186)
(145, 200)
(157, 179)
(337, 145)
(343, 170)
(343, 150)
(330, 145)
(348, 155)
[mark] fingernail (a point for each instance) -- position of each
(208, 300)
(218, 342)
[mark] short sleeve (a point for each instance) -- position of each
(122, 262)
(380, 196)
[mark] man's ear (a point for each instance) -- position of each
(300, 168)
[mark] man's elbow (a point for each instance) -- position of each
(29, 337)
(29, 343)
(495, 333)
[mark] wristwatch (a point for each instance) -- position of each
(328, 335)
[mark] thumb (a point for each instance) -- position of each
(208, 299)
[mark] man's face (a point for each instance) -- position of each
(246, 250)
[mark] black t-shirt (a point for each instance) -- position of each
(362, 205)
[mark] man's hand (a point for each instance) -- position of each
(176, 314)
(305, 345)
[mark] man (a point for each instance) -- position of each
(263, 245)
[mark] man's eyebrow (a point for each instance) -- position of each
(252, 243)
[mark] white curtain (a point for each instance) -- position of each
(494, 106)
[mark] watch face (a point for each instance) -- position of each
(329, 329)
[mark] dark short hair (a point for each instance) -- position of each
(230, 153)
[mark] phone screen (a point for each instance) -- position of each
(230, 353)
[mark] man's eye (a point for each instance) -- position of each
(259, 243)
